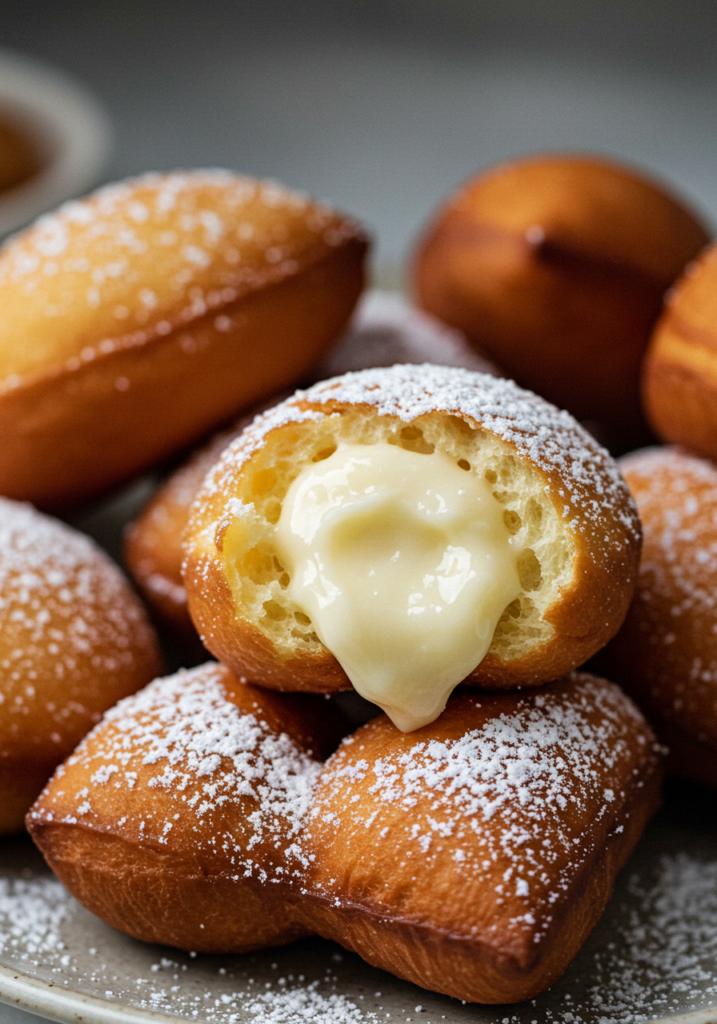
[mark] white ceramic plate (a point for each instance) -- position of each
(71, 130)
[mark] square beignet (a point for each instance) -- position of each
(474, 856)
(408, 529)
(177, 819)
(471, 857)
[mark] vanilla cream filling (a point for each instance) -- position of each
(404, 564)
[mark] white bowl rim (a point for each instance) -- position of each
(68, 123)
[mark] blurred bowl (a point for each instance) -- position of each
(64, 126)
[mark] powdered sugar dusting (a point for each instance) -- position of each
(674, 616)
(528, 772)
(182, 736)
(162, 194)
(144, 257)
(678, 493)
(671, 930)
(32, 912)
(653, 955)
(590, 483)
(65, 611)
(44, 933)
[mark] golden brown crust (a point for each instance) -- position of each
(138, 319)
(74, 639)
(680, 371)
(152, 547)
(436, 893)
(471, 857)
(665, 654)
(556, 267)
(169, 899)
(152, 542)
(171, 821)
(588, 497)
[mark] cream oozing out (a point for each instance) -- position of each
(404, 564)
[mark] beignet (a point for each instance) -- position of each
(384, 330)
(387, 329)
(519, 564)
(152, 547)
(74, 639)
(665, 654)
(556, 266)
(177, 819)
(472, 857)
(141, 317)
(679, 378)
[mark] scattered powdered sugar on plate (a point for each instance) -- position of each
(304, 1004)
(32, 912)
(654, 955)
(674, 956)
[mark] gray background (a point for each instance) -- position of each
(384, 107)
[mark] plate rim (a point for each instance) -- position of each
(67, 1006)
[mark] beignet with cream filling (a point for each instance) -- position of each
(404, 530)
(384, 330)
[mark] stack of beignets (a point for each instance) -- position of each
(401, 529)
(471, 857)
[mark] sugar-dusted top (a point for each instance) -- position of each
(677, 497)
(67, 619)
(514, 802)
(584, 477)
(222, 774)
(148, 255)
(530, 762)
(673, 622)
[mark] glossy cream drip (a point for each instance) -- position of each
(404, 564)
